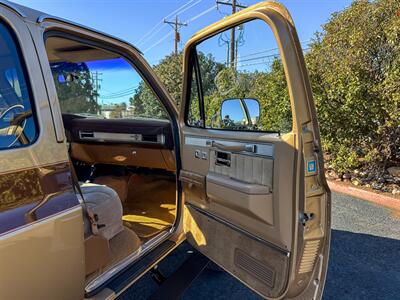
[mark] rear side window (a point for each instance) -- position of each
(18, 126)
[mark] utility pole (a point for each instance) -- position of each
(96, 82)
(176, 25)
(232, 47)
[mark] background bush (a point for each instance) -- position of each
(354, 66)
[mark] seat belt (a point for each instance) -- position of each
(93, 218)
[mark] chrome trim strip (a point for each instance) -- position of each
(118, 137)
(146, 247)
(109, 136)
(194, 141)
(44, 18)
(262, 149)
(14, 8)
(45, 220)
(238, 229)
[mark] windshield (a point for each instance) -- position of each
(95, 83)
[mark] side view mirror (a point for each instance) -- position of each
(240, 113)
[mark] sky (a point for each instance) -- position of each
(140, 22)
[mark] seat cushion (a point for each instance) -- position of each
(105, 203)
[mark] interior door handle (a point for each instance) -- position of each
(235, 148)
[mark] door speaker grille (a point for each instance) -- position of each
(255, 268)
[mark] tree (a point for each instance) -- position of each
(145, 103)
(270, 88)
(169, 70)
(354, 65)
(74, 88)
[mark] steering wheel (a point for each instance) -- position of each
(17, 124)
(4, 113)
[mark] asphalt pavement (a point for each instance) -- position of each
(364, 259)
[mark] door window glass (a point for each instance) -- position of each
(242, 81)
(18, 126)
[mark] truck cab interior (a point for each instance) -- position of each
(122, 153)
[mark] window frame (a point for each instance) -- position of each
(27, 79)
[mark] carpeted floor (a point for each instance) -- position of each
(149, 201)
(123, 244)
(150, 204)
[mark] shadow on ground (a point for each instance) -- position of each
(361, 266)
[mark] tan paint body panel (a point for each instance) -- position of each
(44, 260)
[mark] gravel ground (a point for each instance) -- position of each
(364, 259)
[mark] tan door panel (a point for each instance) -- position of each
(247, 168)
(260, 171)
(253, 200)
(257, 263)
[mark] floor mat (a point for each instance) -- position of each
(150, 205)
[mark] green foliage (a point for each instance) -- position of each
(269, 88)
(354, 66)
(169, 70)
(145, 103)
(76, 94)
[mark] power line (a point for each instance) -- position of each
(268, 57)
(268, 50)
(161, 22)
(258, 58)
(189, 21)
(120, 93)
(201, 14)
(159, 42)
(152, 32)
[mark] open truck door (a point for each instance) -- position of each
(256, 201)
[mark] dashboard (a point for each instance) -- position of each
(142, 131)
(137, 142)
